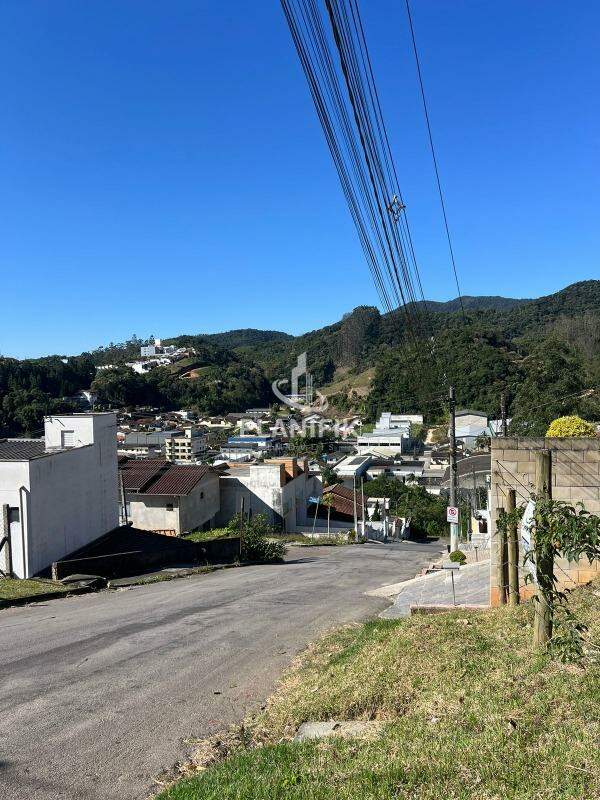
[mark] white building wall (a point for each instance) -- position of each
(265, 492)
(14, 492)
(67, 498)
(201, 505)
(150, 513)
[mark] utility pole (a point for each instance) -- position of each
(123, 500)
(503, 414)
(355, 512)
(362, 497)
(241, 525)
(453, 471)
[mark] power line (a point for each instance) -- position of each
(432, 148)
(345, 96)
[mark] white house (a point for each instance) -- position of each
(387, 420)
(58, 493)
(384, 442)
(278, 488)
(469, 425)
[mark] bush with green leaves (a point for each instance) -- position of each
(458, 557)
(256, 544)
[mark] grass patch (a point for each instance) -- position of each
(209, 536)
(20, 589)
(308, 541)
(469, 711)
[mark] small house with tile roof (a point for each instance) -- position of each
(168, 498)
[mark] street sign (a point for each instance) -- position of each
(452, 514)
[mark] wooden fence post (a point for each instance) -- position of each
(500, 572)
(544, 562)
(513, 552)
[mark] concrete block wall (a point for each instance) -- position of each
(575, 478)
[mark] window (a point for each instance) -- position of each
(67, 438)
(201, 495)
(169, 506)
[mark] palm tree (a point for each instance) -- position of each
(327, 501)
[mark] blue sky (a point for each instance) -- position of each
(163, 170)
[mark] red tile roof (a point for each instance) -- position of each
(343, 499)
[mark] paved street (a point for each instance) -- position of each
(99, 693)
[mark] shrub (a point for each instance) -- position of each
(570, 426)
(458, 557)
(256, 545)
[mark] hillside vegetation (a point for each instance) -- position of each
(544, 353)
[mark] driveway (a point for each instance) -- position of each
(99, 693)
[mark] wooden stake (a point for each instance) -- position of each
(500, 572)
(544, 564)
(513, 552)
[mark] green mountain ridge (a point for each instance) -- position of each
(538, 351)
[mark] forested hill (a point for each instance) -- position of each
(540, 351)
(469, 303)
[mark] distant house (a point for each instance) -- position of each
(384, 442)
(157, 348)
(242, 448)
(388, 421)
(403, 469)
(354, 466)
(215, 423)
(161, 496)
(147, 444)
(278, 488)
(469, 425)
(58, 493)
(473, 472)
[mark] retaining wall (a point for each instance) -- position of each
(575, 478)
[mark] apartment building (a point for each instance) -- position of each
(187, 447)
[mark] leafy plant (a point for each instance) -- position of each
(570, 426)
(458, 557)
(256, 544)
(572, 533)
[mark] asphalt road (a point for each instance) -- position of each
(99, 693)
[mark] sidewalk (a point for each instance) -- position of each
(471, 588)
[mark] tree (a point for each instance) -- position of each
(327, 501)
(554, 382)
(328, 475)
(427, 512)
(376, 517)
(570, 426)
